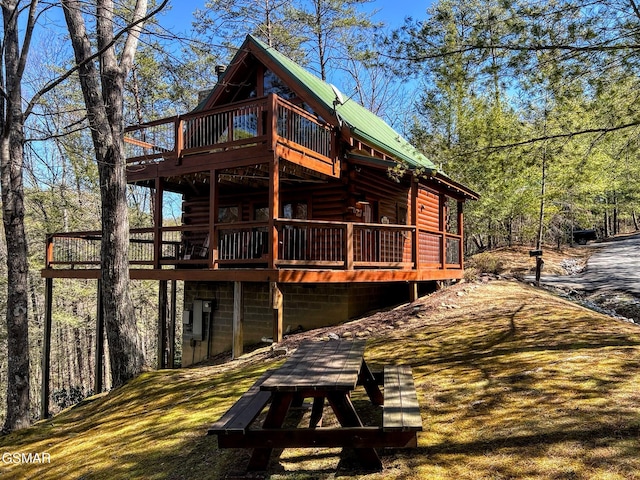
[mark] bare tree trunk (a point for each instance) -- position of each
(543, 188)
(11, 184)
(68, 357)
(542, 202)
(17, 295)
(320, 41)
(59, 357)
(88, 347)
(616, 226)
(79, 357)
(103, 96)
(122, 332)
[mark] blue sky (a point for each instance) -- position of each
(392, 12)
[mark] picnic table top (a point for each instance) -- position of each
(327, 366)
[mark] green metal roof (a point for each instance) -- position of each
(364, 124)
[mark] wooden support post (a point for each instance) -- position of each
(162, 323)
(214, 202)
(443, 227)
(238, 319)
(539, 264)
(99, 350)
(349, 250)
(272, 125)
(179, 142)
(274, 208)
(172, 326)
(461, 231)
(157, 223)
(415, 238)
(49, 251)
(278, 312)
(46, 349)
(413, 291)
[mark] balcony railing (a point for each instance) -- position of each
(264, 121)
(301, 244)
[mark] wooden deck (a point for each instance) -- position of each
(311, 251)
(260, 154)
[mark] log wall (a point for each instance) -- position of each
(387, 197)
(428, 209)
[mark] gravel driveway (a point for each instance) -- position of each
(615, 265)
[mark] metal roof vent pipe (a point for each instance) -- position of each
(220, 69)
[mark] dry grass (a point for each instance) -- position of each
(513, 382)
(516, 261)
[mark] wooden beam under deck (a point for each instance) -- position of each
(309, 161)
(366, 276)
(270, 275)
(199, 163)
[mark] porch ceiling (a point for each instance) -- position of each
(252, 176)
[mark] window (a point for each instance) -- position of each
(261, 213)
(273, 84)
(369, 210)
(295, 210)
(452, 225)
(402, 215)
(229, 214)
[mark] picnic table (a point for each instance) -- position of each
(326, 372)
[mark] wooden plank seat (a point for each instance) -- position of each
(238, 418)
(401, 409)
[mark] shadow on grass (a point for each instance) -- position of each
(526, 454)
(506, 390)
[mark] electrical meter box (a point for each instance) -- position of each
(194, 321)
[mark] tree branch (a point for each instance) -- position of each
(635, 8)
(129, 50)
(544, 138)
(54, 83)
(518, 48)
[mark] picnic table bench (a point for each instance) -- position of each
(323, 371)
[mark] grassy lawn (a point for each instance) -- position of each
(514, 383)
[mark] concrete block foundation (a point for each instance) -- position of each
(305, 306)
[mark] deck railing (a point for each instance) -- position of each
(301, 244)
(376, 245)
(263, 121)
(312, 243)
(82, 249)
(243, 242)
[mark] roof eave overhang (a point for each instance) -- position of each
(432, 175)
(456, 187)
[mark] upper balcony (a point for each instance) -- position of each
(219, 137)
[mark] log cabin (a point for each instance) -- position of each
(300, 209)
